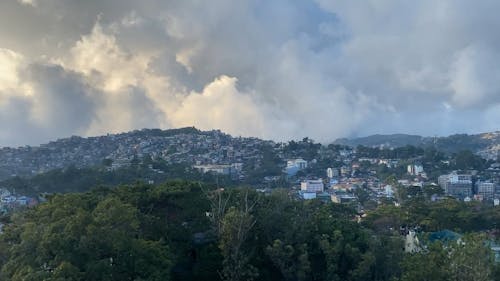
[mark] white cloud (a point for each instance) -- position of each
(475, 77)
(278, 69)
(11, 63)
(221, 105)
(28, 2)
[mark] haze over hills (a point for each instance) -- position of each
(480, 143)
(392, 140)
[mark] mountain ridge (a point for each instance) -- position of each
(193, 146)
(481, 143)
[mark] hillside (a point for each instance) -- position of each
(485, 144)
(185, 145)
(394, 140)
(194, 147)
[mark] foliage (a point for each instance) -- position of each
(434, 216)
(463, 260)
(191, 231)
(403, 152)
(78, 237)
(72, 179)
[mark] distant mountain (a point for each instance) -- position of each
(394, 140)
(485, 144)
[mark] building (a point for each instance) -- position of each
(389, 163)
(412, 243)
(216, 169)
(238, 167)
(415, 169)
(458, 186)
(295, 165)
(485, 190)
(388, 191)
(312, 185)
(329, 173)
(370, 160)
(308, 195)
(345, 171)
(341, 198)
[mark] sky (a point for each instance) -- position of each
(277, 69)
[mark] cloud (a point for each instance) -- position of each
(475, 77)
(40, 101)
(28, 2)
(221, 103)
(280, 69)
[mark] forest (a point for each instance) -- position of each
(185, 230)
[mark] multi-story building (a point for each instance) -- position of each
(459, 186)
(341, 198)
(312, 185)
(485, 190)
(415, 169)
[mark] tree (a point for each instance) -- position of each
(465, 159)
(236, 227)
(82, 237)
(426, 266)
(470, 260)
(293, 262)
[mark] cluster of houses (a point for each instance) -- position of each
(219, 153)
(340, 183)
(10, 201)
(197, 148)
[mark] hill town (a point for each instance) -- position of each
(340, 173)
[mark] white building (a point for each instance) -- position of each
(389, 163)
(216, 169)
(329, 173)
(295, 165)
(312, 186)
(299, 163)
(412, 244)
(415, 169)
